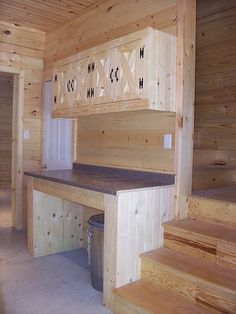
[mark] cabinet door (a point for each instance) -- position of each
(104, 76)
(65, 86)
(132, 65)
(80, 76)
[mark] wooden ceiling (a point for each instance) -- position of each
(43, 15)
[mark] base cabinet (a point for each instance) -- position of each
(133, 225)
(134, 72)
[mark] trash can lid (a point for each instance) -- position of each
(97, 221)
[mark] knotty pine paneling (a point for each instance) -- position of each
(215, 111)
(110, 20)
(22, 48)
(6, 106)
(132, 140)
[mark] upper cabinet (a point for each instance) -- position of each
(134, 72)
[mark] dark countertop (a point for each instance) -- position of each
(104, 179)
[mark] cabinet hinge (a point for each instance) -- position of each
(141, 53)
(141, 83)
(91, 67)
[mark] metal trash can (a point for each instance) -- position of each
(96, 249)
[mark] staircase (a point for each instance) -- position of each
(195, 271)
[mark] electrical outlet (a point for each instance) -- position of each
(167, 141)
(26, 134)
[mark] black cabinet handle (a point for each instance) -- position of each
(72, 85)
(88, 93)
(116, 74)
(111, 78)
(68, 86)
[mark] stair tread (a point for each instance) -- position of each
(155, 300)
(189, 265)
(205, 228)
(226, 193)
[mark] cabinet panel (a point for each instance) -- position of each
(104, 76)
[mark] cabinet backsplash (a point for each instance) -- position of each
(130, 140)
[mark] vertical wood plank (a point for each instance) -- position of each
(30, 215)
(110, 249)
(185, 103)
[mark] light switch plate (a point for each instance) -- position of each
(167, 141)
(26, 134)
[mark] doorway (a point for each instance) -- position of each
(6, 111)
(13, 151)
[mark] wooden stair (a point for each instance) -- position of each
(200, 282)
(195, 271)
(216, 205)
(209, 241)
(141, 298)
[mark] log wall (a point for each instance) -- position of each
(215, 112)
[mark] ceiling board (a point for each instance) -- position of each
(44, 15)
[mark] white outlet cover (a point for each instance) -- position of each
(26, 134)
(167, 141)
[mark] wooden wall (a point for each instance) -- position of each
(6, 106)
(22, 48)
(215, 112)
(109, 20)
(132, 140)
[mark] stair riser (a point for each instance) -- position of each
(212, 210)
(123, 306)
(196, 290)
(200, 246)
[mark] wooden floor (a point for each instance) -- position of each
(227, 193)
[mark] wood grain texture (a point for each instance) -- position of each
(215, 106)
(215, 210)
(126, 140)
(185, 97)
(207, 285)
(43, 15)
(141, 298)
(212, 242)
(21, 51)
(70, 193)
(57, 225)
(6, 109)
(108, 21)
(83, 89)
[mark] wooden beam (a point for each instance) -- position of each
(185, 103)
